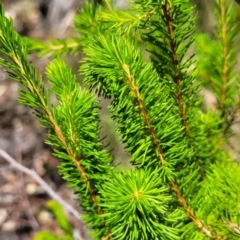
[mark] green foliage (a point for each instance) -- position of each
(55, 48)
(219, 74)
(184, 183)
(229, 209)
(45, 235)
(136, 201)
(61, 219)
(60, 216)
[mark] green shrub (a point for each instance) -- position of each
(184, 182)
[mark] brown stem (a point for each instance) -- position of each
(143, 111)
(177, 79)
(176, 76)
(190, 213)
(225, 53)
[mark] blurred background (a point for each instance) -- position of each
(23, 210)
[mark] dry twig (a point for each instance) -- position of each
(41, 182)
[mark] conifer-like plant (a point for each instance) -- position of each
(184, 182)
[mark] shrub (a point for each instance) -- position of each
(184, 182)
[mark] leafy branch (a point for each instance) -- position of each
(220, 76)
(135, 97)
(56, 48)
(182, 183)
